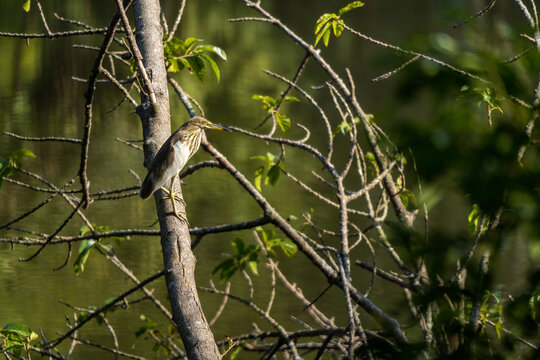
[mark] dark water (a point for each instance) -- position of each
(38, 98)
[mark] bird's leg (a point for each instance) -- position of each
(171, 194)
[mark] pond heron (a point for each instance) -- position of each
(173, 156)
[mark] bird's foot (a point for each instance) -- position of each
(170, 194)
(180, 216)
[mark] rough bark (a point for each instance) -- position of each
(178, 258)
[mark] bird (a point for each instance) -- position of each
(173, 156)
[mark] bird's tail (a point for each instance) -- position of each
(147, 187)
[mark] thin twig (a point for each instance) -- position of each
(26, 138)
(120, 297)
(478, 14)
(136, 52)
(177, 21)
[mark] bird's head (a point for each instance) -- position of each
(202, 123)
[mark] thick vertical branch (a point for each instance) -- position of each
(178, 258)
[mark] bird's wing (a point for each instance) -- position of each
(157, 169)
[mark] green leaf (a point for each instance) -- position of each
(84, 251)
(258, 177)
(176, 45)
(262, 158)
(370, 159)
(8, 165)
(326, 37)
(227, 268)
(323, 20)
(499, 328)
(20, 153)
(337, 28)
(213, 65)
(196, 66)
(253, 267)
(238, 245)
(343, 128)
(215, 50)
(350, 6)
(268, 101)
(283, 121)
(104, 247)
(325, 32)
(235, 352)
(183, 63)
(189, 42)
(409, 199)
(534, 301)
(290, 99)
(174, 66)
(473, 218)
(19, 330)
(26, 5)
(273, 174)
(288, 247)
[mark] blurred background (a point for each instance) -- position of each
(440, 126)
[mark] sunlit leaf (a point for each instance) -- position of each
(290, 99)
(215, 50)
(174, 66)
(370, 159)
(324, 33)
(288, 247)
(189, 42)
(22, 152)
(20, 330)
(343, 128)
(26, 5)
(235, 352)
(350, 6)
(283, 121)
(409, 199)
(258, 177)
(84, 251)
(268, 101)
(337, 28)
(213, 65)
(253, 267)
(473, 218)
(323, 20)
(326, 37)
(499, 328)
(176, 45)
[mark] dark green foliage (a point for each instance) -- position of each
(248, 256)
(16, 338)
(188, 54)
(9, 165)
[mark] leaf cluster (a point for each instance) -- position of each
(86, 246)
(10, 164)
(247, 256)
(189, 54)
(272, 105)
(16, 338)
(269, 172)
(331, 22)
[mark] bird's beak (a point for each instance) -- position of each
(217, 127)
